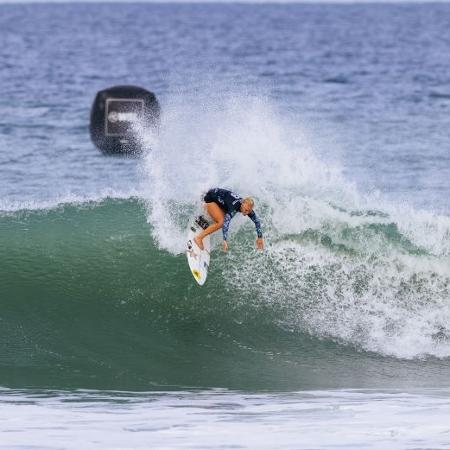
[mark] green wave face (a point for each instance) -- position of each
(89, 300)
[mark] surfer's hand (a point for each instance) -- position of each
(260, 243)
(225, 246)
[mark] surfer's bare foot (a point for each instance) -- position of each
(199, 241)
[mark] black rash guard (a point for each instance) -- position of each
(230, 203)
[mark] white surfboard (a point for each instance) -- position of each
(198, 260)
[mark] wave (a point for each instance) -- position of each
(88, 299)
(100, 290)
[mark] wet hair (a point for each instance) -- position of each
(249, 201)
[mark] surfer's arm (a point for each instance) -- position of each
(226, 225)
(256, 221)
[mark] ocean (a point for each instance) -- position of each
(335, 118)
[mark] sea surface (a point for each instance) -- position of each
(336, 119)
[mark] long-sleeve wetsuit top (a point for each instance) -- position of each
(230, 203)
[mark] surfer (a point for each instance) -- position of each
(222, 205)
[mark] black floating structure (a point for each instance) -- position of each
(116, 116)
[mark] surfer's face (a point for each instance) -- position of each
(246, 209)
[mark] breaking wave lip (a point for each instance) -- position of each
(9, 206)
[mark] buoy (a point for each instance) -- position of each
(117, 115)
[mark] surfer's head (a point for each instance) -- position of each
(247, 206)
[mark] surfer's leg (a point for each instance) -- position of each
(217, 214)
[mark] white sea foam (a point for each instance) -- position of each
(355, 267)
(222, 419)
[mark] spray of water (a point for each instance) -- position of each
(351, 267)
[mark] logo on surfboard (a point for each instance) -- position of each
(198, 259)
